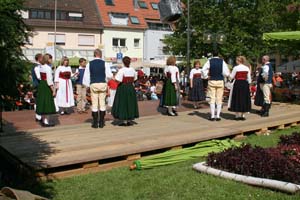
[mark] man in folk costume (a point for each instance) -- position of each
(96, 75)
(265, 77)
(36, 77)
(216, 70)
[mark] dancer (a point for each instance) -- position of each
(96, 75)
(125, 105)
(46, 92)
(80, 88)
(36, 77)
(216, 70)
(266, 76)
(196, 92)
(64, 96)
(239, 98)
(112, 88)
(171, 87)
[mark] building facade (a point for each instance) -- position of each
(78, 28)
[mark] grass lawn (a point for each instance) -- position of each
(176, 181)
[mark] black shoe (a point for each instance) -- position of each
(171, 114)
(211, 119)
(218, 119)
(242, 118)
(129, 123)
(237, 118)
(175, 112)
(123, 124)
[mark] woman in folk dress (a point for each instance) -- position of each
(196, 93)
(240, 99)
(64, 96)
(125, 106)
(46, 92)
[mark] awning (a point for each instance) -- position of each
(292, 35)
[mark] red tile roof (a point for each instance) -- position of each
(127, 6)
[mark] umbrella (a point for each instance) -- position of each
(174, 156)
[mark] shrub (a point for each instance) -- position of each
(281, 163)
(290, 139)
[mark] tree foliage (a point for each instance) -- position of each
(13, 34)
(242, 21)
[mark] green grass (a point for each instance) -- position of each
(172, 182)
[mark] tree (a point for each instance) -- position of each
(242, 21)
(13, 34)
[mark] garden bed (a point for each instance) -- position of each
(281, 163)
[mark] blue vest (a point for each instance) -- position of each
(216, 69)
(35, 80)
(80, 76)
(97, 71)
(270, 75)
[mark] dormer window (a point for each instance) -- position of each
(154, 6)
(143, 4)
(109, 2)
(134, 20)
(119, 18)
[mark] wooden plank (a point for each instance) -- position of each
(90, 165)
(133, 157)
(176, 147)
(240, 136)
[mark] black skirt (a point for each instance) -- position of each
(259, 97)
(240, 99)
(197, 92)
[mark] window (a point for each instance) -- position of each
(159, 26)
(60, 38)
(75, 16)
(86, 40)
(136, 43)
(61, 15)
(134, 20)
(154, 6)
(109, 2)
(47, 15)
(119, 42)
(142, 4)
(119, 18)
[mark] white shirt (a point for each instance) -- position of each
(173, 70)
(206, 68)
(241, 68)
(47, 69)
(127, 72)
(265, 71)
(195, 71)
(87, 76)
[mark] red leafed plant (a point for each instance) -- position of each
(279, 163)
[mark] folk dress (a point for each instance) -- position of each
(170, 97)
(197, 92)
(125, 106)
(45, 101)
(64, 95)
(240, 98)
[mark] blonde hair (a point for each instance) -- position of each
(171, 60)
(197, 62)
(63, 60)
(46, 59)
(241, 59)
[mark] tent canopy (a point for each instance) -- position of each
(292, 35)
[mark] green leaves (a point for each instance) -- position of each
(242, 21)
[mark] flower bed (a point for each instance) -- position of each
(279, 163)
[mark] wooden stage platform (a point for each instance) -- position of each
(76, 149)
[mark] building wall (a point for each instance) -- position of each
(110, 53)
(40, 42)
(153, 49)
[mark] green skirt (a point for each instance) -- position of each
(125, 106)
(45, 101)
(169, 94)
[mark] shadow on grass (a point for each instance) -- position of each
(22, 154)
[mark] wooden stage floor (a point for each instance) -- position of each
(75, 149)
